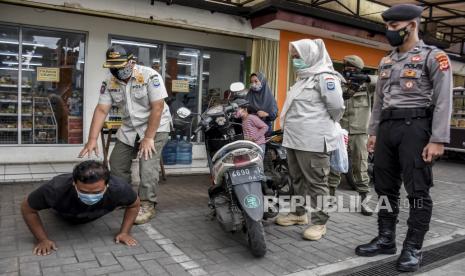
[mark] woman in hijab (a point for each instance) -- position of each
(261, 98)
(313, 106)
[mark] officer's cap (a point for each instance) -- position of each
(355, 61)
(116, 57)
(402, 12)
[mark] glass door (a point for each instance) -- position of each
(182, 82)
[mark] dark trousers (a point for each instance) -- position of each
(398, 153)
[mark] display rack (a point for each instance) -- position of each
(44, 122)
(9, 113)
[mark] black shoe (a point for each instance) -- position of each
(365, 211)
(410, 258)
(384, 243)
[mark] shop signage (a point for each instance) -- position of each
(180, 86)
(48, 74)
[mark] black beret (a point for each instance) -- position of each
(402, 12)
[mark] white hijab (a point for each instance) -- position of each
(314, 54)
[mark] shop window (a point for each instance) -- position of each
(193, 77)
(41, 86)
(9, 49)
(220, 69)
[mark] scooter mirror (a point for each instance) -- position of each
(236, 87)
(183, 112)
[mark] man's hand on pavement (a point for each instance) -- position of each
(44, 247)
(126, 239)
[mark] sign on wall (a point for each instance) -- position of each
(180, 86)
(51, 74)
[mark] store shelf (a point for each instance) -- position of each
(14, 86)
(13, 114)
(14, 101)
(14, 129)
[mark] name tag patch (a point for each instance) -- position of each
(409, 74)
(418, 66)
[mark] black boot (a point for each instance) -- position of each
(384, 243)
(410, 258)
(364, 211)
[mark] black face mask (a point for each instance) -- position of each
(396, 38)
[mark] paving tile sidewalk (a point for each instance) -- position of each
(182, 240)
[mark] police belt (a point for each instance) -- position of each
(406, 113)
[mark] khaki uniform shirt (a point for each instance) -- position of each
(358, 108)
(134, 98)
(419, 78)
(310, 120)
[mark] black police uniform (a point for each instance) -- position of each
(412, 108)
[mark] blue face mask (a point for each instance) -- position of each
(299, 63)
(90, 199)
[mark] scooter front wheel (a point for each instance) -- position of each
(256, 236)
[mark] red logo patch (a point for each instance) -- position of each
(443, 61)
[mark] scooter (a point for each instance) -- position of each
(278, 180)
(236, 167)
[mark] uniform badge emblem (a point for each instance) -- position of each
(114, 55)
(384, 74)
(103, 87)
(330, 85)
(139, 78)
(409, 74)
(409, 85)
(416, 58)
(155, 81)
(443, 61)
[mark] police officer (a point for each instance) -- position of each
(139, 92)
(357, 95)
(408, 129)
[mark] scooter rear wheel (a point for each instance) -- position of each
(256, 236)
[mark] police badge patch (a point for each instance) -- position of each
(330, 85)
(103, 87)
(155, 81)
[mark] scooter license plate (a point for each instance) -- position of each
(245, 175)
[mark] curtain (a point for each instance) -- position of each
(265, 60)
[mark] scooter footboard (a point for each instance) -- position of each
(250, 197)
